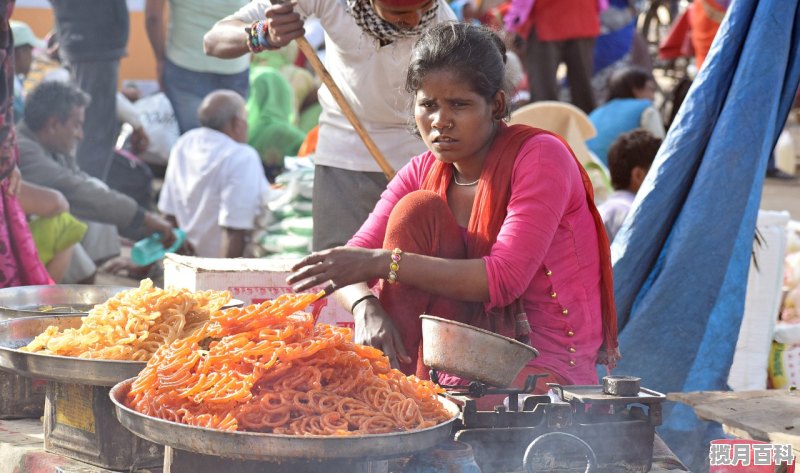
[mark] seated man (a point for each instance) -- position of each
(48, 137)
(214, 180)
(629, 159)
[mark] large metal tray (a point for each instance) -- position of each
(273, 447)
(16, 333)
(70, 299)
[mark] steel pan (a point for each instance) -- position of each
(16, 333)
(273, 447)
(73, 299)
(472, 353)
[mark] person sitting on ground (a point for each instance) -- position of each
(55, 231)
(367, 46)
(631, 91)
(492, 223)
(214, 180)
(48, 137)
(629, 159)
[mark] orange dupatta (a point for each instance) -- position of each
(488, 213)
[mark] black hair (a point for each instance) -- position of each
(622, 82)
(475, 53)
(635, 148)
(52, 99)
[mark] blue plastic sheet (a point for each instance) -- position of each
(682, 256)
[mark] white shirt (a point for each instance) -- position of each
(212, 182)
(371, 78)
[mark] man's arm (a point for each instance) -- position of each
(156, 33)
(233, 241)
(228, 39)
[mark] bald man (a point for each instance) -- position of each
(367, 50)
(214, 180)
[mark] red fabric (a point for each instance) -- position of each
(561, 20)
(421, 223)
(403, 3)
(489, 211)
(703, 28)
(678, 41)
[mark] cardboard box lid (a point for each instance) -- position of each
(230, 265)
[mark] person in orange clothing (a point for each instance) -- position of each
(705, 17)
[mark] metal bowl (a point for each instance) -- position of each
(60, 299)
(473, 353)
(16, 333)
(273, 447)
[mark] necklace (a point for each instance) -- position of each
(466, 184)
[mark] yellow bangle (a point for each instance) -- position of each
(394, 266)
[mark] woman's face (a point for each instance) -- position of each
(456, 123)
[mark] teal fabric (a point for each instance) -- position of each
(612, 119)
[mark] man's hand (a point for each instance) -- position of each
(284, 24)
(158, 224)
(14, 182)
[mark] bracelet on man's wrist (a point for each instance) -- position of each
(360, 300)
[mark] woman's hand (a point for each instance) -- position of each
(14, 182)
(341, 266)
(375, 328)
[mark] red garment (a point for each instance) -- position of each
(560, 20)
(19, 260)
(421, 224)
(489, 212)
(705, 19)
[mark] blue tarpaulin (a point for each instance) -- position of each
(682, 256)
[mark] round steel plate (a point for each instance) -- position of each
(16, 333)
(70, 299)
(273, 447)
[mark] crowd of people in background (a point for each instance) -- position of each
(243, 99)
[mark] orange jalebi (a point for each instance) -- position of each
(268, 368)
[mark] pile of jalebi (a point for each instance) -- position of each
(133, 324)
(268, 368)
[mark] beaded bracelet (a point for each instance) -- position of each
(258, 37)
(394, 266)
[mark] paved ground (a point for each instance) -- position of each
(782, 195)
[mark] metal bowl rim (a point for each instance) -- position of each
(511, 341)
(450, 405)
(64, 287)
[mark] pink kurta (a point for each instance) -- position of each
(546, 253)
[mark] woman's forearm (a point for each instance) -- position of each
(461, 279)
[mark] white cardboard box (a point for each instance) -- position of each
(251, 280)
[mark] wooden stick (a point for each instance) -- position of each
(327, 79)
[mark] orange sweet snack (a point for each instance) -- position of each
(268, 368)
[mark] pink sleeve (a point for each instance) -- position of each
(408, 179)
(542, 182)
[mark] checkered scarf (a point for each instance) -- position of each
(380, 29)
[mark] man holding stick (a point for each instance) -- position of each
(367, 50)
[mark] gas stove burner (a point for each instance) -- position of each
(616, 421)
(476, 389)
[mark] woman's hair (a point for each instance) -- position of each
(475, 53)
(636, 148)
(623, 81)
